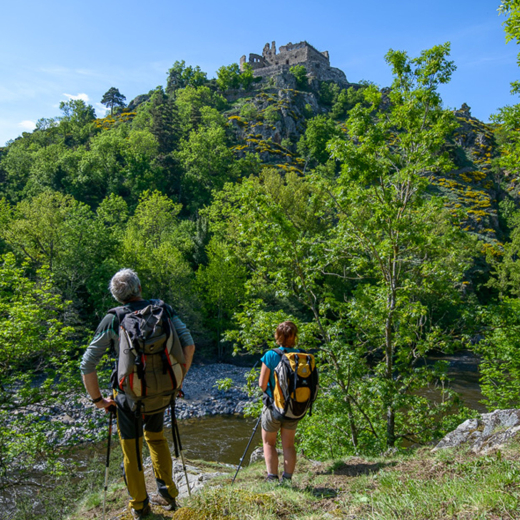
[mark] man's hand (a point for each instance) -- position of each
(108, 404)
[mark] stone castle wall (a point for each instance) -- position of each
(270, 63)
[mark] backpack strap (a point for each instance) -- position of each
(119, 312)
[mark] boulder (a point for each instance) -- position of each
(486, 434)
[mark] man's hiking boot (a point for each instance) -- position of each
(286, 481)
(272, 478)
(169, 504)
(142, 513)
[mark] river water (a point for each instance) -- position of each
(219, 438)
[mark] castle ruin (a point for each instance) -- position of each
(271, 63)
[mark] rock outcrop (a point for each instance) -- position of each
(486, 434)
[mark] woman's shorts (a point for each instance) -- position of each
(270, 424)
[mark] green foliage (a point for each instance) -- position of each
(191, 101)
(228, 77)
(341, 100)
(300, 74)
(500, 365)
(35, 347)
(76, 121)
(395, 236)
(328, 92)
(165, 123)
(180, 76)
(272, 114)
(249, 111)
(207, 162)
(156, 246)
(55, 230)
(231, 77)
(224, 384)
(221, 286)
(345, 101)
(313, 144)
(246, 76)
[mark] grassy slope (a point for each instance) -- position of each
(417, 485)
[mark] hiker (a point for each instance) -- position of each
(126, 289)
(280, 413)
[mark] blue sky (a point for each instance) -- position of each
(53, 50)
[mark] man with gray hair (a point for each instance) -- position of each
(126, 289)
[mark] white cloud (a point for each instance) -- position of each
(84, 97)
(101, 110)
(27, 125)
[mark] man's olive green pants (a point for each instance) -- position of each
(131, 428)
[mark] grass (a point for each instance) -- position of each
(414, 485)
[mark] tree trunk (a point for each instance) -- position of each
(389, 354)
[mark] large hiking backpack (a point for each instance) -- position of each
(296, 385)
(151, 363)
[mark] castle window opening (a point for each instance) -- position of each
(287, 62)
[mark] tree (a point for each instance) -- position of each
(228, 77)
(246, 76)
(313, 144)
(300, 74)
(221, 286)
(508, 118)
(35, 346)
(180, 76)
(113, 98)
(392, 231)
(345, 101)
(500, 369)
(76, 121)
(207, 160)
(191, 101)
(165, 125)
(249, 111)
(121, 161)
(156, 245)
(500, 364)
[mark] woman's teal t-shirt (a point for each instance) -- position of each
(271, 359)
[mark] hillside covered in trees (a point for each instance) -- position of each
(385, 225)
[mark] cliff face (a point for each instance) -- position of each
(271, 119)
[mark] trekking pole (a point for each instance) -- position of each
(112, 413)
(182, 457)
(177, 444)
(247, 447)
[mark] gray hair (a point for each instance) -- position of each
(125, 285)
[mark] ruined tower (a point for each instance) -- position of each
(270, 63)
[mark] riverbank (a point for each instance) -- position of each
(81, 420)
(412, 485)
